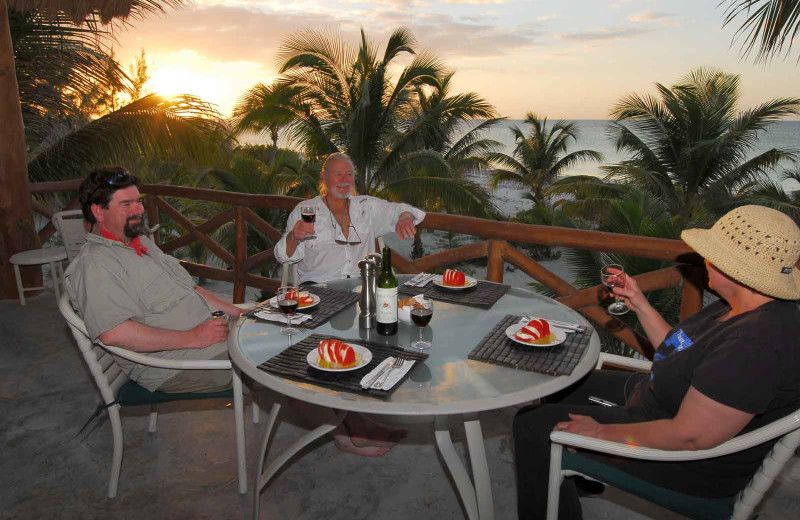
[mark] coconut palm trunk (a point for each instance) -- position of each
(17, 231)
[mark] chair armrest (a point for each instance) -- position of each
(152, 361)
(742, 442)
(639, 365)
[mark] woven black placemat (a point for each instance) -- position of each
(559, 360)
(292, 363)
(483, 295)
(331, 302)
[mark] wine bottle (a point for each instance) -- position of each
(386, 297)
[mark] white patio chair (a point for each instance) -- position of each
(117, 390)
(739, 507)
(70, 225)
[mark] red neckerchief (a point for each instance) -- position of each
(134, 244)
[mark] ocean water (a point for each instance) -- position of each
(592, 134)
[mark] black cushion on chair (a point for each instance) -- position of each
(131, 394)
(694, 507)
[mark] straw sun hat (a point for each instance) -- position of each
(756, 246)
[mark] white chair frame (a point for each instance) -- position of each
(109, 378)
(70, 225)
(788, 428)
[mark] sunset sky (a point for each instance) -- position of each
(560, 58)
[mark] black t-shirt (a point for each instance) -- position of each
(750, 362)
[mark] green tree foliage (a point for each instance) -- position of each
(265, 109)
(345, 99)
(61, 69)
(768, 25)
(690, 147)
(540, 158)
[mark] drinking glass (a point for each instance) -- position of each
(287, 303)
(421, 314)
(308, 213)
(613, 275)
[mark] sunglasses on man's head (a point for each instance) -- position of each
(118, 178)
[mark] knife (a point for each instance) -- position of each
(386, 367)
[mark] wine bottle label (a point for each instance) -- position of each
(386, 305)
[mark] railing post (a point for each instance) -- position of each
(494, 271)
(694, 279)
(240, 254)
(152, 217)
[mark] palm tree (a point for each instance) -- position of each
(690, 147)
(265, 109)
(151, 128)
(772, 194)
(349, 102)
(59, 65)
(539, 159)
(772, 21)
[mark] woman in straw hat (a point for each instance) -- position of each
(729, 369)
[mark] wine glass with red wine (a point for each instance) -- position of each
(421, 314)
(287, 303)
(308, 213)
(613, 275)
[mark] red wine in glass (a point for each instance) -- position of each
(288, 303)
(421, 314)
(308, 214)
(421, 317)
(288, 306)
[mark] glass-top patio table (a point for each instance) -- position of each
(447, 387)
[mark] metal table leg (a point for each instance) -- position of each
(477, 498)
(262, 476)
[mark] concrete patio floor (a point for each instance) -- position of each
(187, 468)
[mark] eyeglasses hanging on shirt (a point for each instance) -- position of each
(337, 232)
(337, 229)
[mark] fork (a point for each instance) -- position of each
(398, 362)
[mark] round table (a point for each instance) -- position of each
(445, 386)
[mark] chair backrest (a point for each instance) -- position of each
(776, 459)
(70, 226)
(105, 370)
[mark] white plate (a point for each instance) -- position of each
(468, 282)
(560, 336)
(363, 357)
(274, 302)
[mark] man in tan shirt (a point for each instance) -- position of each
(131, 295)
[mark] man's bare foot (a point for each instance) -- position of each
(343, 442)
(364, 432)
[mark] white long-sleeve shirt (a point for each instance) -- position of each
(321, 259)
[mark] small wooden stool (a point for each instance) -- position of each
(51, 255)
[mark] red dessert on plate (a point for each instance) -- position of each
(453, 278)
(335, 354)
(536, 331)
(304, 298)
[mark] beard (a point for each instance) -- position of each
(134, 229)
(345, 195)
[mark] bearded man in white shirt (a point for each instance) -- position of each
(345, 228)
(343, 232)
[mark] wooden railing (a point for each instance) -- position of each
(496, 247)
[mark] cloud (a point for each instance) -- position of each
(547, 18)
(650, 16)
(602, 33)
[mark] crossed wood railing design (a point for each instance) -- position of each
(496, 247)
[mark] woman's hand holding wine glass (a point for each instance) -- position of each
(613, 275)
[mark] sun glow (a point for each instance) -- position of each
(217, 82)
